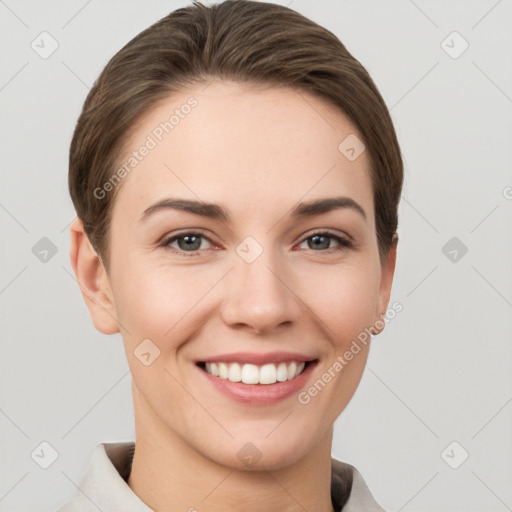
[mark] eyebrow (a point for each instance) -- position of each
(215, 211)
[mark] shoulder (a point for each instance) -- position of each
(103, 486)
(349, 491)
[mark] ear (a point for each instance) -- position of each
(93, 280)
(386, 280)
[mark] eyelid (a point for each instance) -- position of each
(345, 241)
(330, 232)
(166, 240)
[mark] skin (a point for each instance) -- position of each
(274, 147)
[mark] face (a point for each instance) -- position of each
(266, 279)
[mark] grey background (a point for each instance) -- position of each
(439, 373)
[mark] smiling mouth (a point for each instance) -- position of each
(256, 374)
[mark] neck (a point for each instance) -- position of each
(168, 475)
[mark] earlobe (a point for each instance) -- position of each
(387, 274)
(93, 280)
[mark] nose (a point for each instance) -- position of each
(260, 296)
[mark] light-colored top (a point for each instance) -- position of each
(104, 485)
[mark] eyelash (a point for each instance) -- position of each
(343, 242)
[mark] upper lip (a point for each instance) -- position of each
(257, 359)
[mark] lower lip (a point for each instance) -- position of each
(260, 394)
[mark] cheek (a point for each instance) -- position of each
(344, 298)
(159, 302)
(167, 302)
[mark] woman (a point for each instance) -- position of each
(236, 177)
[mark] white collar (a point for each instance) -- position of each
(103, 486)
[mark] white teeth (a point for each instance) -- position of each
(223, 370)
(253, 374)
(268, 374)
(215, 370)
(250, 374)
(292, 370)
(282, 372)
(235, 372)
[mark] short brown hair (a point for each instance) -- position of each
(242, 40)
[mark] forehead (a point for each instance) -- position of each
(253, 149)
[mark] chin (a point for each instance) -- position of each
(260, 455)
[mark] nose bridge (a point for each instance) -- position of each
(258, 293)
